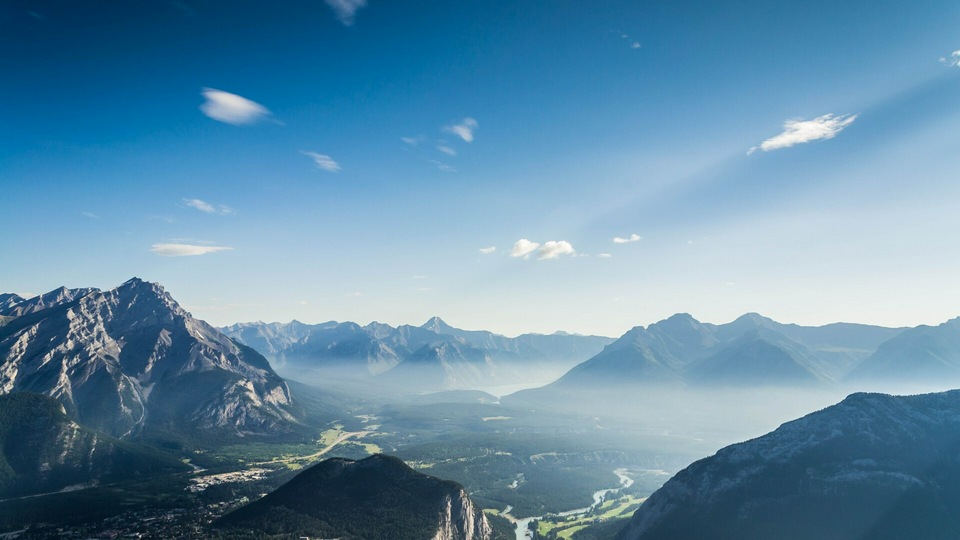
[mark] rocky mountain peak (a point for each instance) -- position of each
(111, 357)
(436, 324)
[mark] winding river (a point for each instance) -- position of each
(522, 524)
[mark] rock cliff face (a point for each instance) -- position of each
(460, 520)
(376, 498)
(873, 466)
(131, 359)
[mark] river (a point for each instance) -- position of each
(523, 524)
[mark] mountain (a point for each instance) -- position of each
(269, 339)
(346, 348)
(131, 360)
(379, 497)
(871, 467)
(447, 364)
(459, 358)
(759, 356)
(32, 305)
(559, 346)
(7, 301)
(921, 354)
(42, 450)
(750, 350)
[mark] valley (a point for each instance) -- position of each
(572, 459)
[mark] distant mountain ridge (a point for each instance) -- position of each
(131, 359)
(918, 354)
(750, 350)
(433, 356)
(872, 467)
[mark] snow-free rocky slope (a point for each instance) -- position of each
(871, 467)
(42, 450)
(377, 498)
(131, 361)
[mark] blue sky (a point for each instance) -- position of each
(349, 160)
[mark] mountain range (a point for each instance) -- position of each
(874, 466)
(754, 350)
(433, 356)
(130, 361)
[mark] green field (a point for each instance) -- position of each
(566, 527)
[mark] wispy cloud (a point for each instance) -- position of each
(464, 129)
(804, 131)
(346, 10)
(633, 43)
(488, 250)
(231, 108)
(208, 208)
(604, 256)
(413, 141)
(554, 250)
(442, 166)
(323, 161)
(185, 250)
(446, 150)
(632, 238)
(90, 215)
(548, 250)
(953, 60)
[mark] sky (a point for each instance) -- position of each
(511, 166)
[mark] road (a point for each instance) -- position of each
(344, 436)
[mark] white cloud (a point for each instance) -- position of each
(464, 129)
(231, 108)
(185, 250)
(553, 250)
(446, 150)
(346, 10)
(604, 256)
(413, 141)
(488, 250)
(804, 131)
(953, 60)
(548, 250)
(631, 238)
(323, 161)
(442, 166)
(208, 208)
(523, 248)
(635, 45)
(90, 215)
